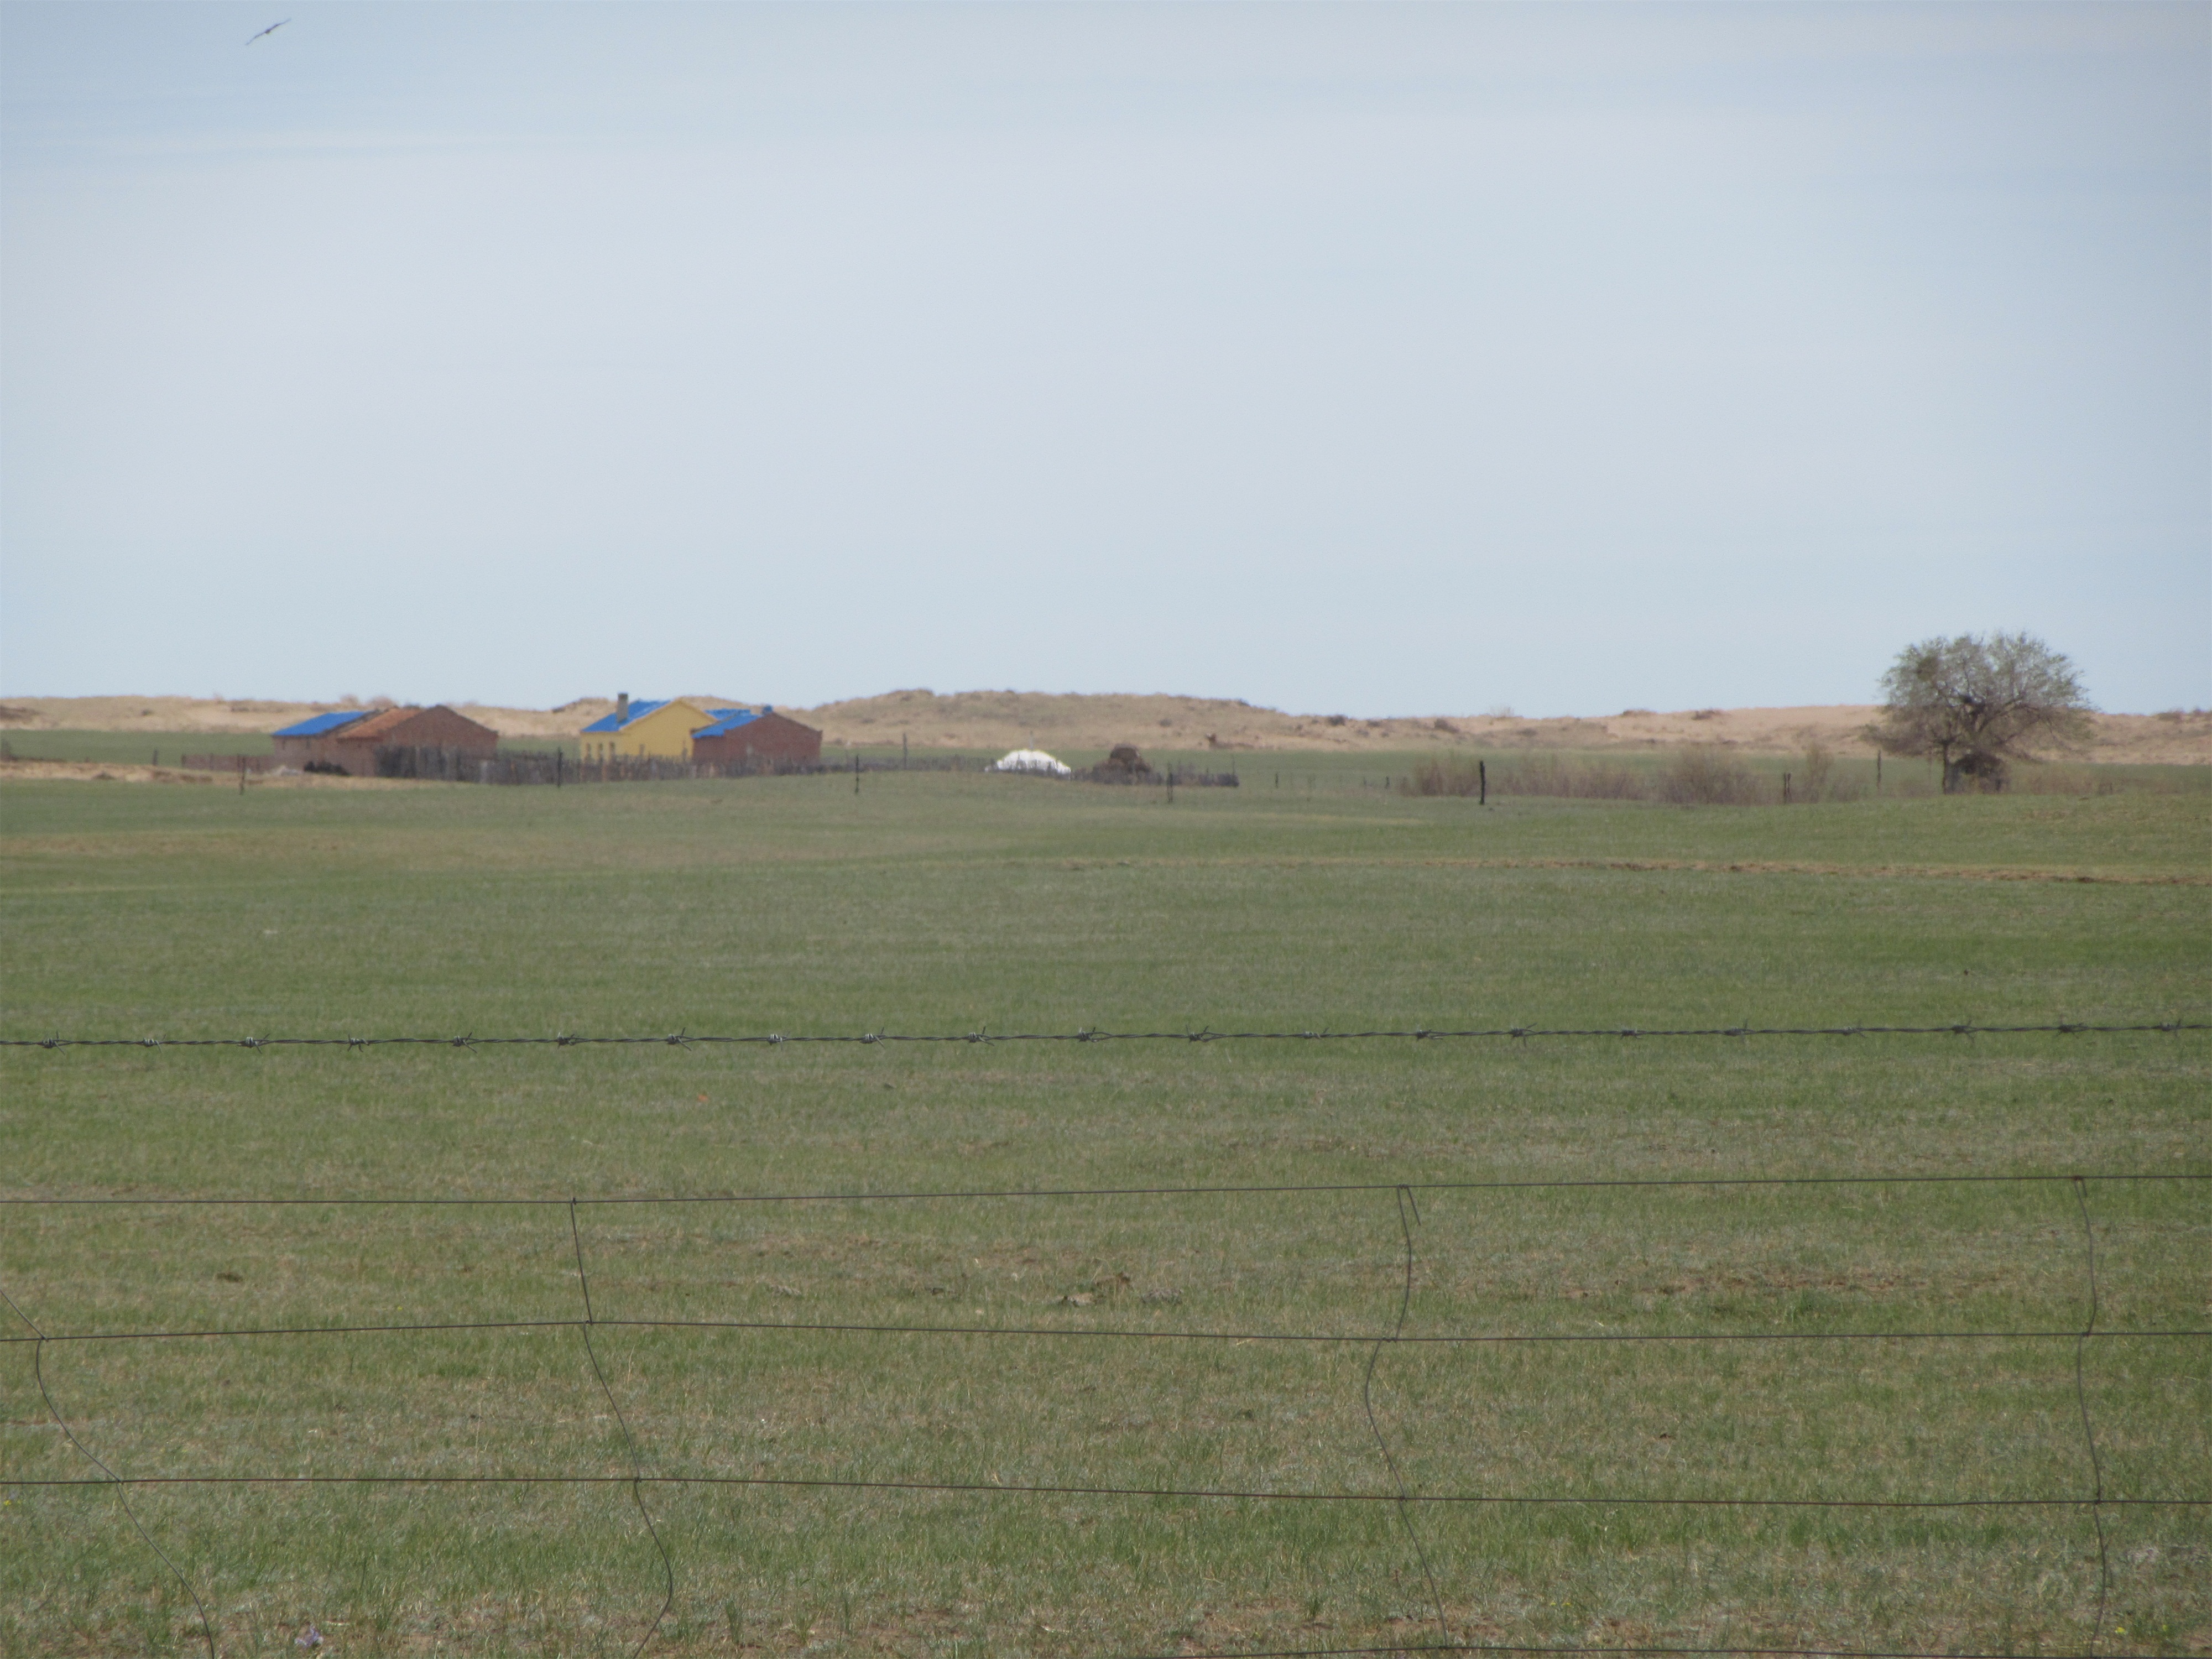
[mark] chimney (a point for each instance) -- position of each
(621, 707)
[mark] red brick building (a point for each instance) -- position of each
(313, 741)
(350, 739)
(742, 738)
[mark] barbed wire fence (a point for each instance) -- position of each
(2095, 1502)
(1096, 1034)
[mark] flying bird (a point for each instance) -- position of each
(272, 29)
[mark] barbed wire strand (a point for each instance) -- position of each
(1511, 1647)
(1094, 1034)
(2089, 1431)
(636, 1464)
(1038, 1489)
(39, 1375)
(982, 1193)
(1445, 1338)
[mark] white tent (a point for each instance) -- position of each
(1032, 760)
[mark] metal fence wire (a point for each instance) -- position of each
(1097, 1034)
(2091, 1500)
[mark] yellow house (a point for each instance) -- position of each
(663, 729)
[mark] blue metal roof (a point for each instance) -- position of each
(730, 719)
(315, 726)
(638, 711)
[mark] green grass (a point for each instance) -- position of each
(169, 748)
(131, 748)
(948, 902)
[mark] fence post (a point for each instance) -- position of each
(1785, 789)
(856, 771)
(1482, 783)
(241, 774)
(1877, 771)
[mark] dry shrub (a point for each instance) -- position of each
(1813, 768)
(1572, 780)
(1531, 775)
(1702, 774)
(1816, 777)
(1452, 777)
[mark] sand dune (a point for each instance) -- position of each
(1005, 719)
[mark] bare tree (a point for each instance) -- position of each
(1977, 704)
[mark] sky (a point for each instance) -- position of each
(1343, 358)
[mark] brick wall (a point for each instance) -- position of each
(420, 728)
(770, 738)
(296, 752)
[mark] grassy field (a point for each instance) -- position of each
(132, 748)
(953, 902)
(169, 748)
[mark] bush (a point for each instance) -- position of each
(1531, 775)
(1814, 767)
(1814, 777)
(1452, 777)
(1572, 780)
(1707, 775)
(1704, 775)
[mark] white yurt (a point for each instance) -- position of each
(1032, 760)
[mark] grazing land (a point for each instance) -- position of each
(954, 902)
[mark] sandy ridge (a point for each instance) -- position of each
(1006, 720)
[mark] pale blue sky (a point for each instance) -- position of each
(1343, 357)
